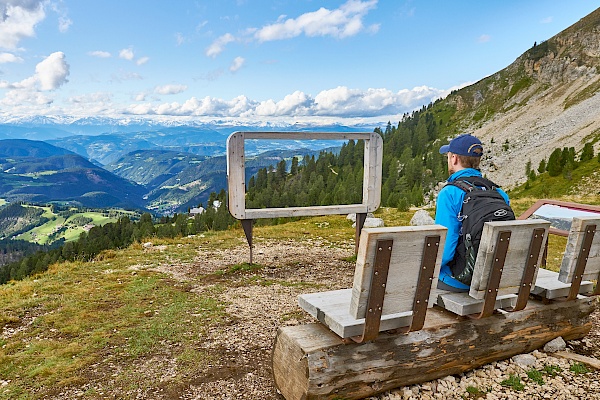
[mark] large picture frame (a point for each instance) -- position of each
(371, 197)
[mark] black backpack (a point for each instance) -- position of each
(482, 203)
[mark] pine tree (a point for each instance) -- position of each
(542, 166)
(587, 153)
(554, 166)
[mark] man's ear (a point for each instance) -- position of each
(454, 159)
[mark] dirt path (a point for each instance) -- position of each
(260, 301)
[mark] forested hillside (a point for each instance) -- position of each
(412, 166)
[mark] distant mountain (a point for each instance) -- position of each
(176, 181)
(38, 172)
(108, 148)
(104, 140)
(29, 148)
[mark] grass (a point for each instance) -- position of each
(474, 393)
(579, 368)
(514, 382)
(76, 313)
(552, 370)
(58, 227)
(119, 311)
(536, 376)
(552, 187)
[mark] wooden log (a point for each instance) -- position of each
(310, 362)
(591, 361)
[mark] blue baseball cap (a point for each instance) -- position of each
(464, 145)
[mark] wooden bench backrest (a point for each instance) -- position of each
(405, 263)
(574, 245)
(516, 257)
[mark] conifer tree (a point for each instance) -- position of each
(554, 166)
(542, 166)
(587, 153)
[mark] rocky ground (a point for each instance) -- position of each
(242, 369)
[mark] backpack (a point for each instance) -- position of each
(482, 203)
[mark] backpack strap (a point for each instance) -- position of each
(469, 183)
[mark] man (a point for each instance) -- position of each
(464, 155)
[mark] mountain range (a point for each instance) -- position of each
(548, 98)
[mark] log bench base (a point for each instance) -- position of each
(310, 362)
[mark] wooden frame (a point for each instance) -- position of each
(237, 184)
(573, 206)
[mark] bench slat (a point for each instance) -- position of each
(547, 285)
(331, 309)
(464, 304)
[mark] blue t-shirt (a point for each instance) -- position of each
(449, 205)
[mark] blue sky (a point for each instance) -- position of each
(346, 61)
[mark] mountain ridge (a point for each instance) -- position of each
(547, 98)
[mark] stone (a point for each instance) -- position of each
(352, 217)
(421, 217)
(555, 345)
(524, 360)
(372, 223)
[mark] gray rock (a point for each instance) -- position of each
(555, 345)
(373, 223)
(524, 360)
(352, 217)
(421, 217)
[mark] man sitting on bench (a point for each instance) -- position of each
(464, 155)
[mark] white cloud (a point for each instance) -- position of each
(52, 72)
(99, 54)
(484, 38)
(238, 63)
(340, 102)
(297, 103)
(16, 98)
(218, 45)
(64, 24)
(342, 22)
(547, 20)
(123, 76)
(170, 89)
(345, 21)
(179, 38)
(9, 58)
(126, 54)
(142, 60)
(92, 98)
(19, 19)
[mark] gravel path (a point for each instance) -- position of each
(242, 370)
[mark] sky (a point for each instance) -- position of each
(342, 61)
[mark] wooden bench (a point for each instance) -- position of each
(507, 263)
(312, 361)
(580, 264)
(396, 268)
